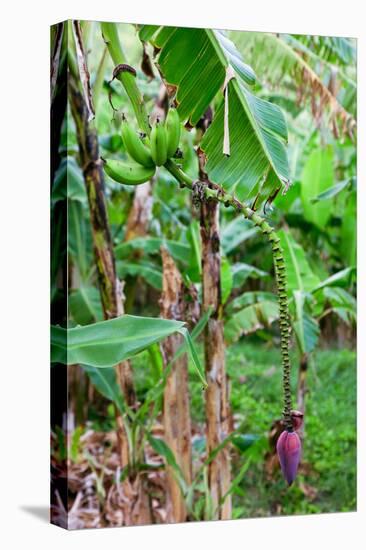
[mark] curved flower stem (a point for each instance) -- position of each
(216, 192)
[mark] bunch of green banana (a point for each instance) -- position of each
(128, 173)
(147, 153)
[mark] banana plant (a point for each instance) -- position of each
(243, 153)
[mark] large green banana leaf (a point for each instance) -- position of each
(249, 298)
(107, 343)
(196, 63)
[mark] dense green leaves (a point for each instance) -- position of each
(349, 230)
(306, 328)
(300, 276)
(152, 245)
(77, 237)
(69, 182)
(249, 298)
(335, 49)
(147, 270)
(85, 306)
(317, 178)
(289, 60)
(226, 279)
(105, 380)
(333, 191)
(241, 272)
(341, 278)
(235, 233)
(343, 304)
(249, 319)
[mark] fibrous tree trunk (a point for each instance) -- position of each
(217, 403)
(109, 285)
(177, 423)
(137, 226)
(140, 214)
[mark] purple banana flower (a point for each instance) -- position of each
(289, 452)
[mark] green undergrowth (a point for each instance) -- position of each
(327, 483)
(327, 480)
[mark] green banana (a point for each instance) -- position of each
(172, 124)
(134, 146)
(128, 173)
(158, 144)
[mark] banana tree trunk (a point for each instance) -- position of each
(111, 290)
(176, 416)
(217, 404)
(137, 225)
(140, 214)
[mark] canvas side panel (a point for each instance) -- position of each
(59, 274)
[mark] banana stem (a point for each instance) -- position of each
(178, 173)
(110, 35)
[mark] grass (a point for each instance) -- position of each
(327, 480)
(328, 484)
